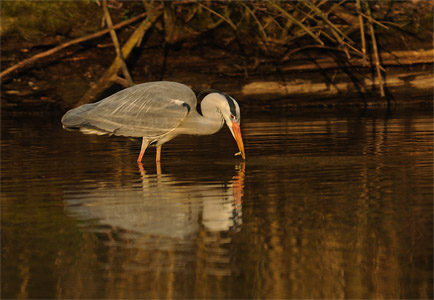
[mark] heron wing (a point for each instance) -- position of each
(145, 110)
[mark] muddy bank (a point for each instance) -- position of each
(309, 80)
(302, 83)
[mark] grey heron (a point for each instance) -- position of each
(157, 112)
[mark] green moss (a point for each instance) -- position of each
(31, 20)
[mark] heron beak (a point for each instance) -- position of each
(236, 131)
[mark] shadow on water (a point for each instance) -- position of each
(324, 206)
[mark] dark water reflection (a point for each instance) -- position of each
(325, 206)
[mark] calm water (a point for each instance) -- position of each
(325, 206)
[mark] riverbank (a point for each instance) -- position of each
(261, 74)
(319, 82)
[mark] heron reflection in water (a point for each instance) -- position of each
(157, 112)
(160, 206)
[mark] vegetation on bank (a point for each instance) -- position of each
(273, 30)
(280, 25)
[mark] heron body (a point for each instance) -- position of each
(157, 112)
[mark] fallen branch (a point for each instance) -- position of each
(34, 58)
(110, 75)
(115, 40)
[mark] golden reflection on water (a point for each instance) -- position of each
(323, 207)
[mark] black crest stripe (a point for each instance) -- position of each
(231, 104)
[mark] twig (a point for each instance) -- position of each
(261, 28)
(218, 15)
(371, 19)
(289, 16)
(336, 32)
(362, 31)
(34, 58)
(116, 44)
(339, 33)
(375, 50)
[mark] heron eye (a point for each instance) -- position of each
(232, 117)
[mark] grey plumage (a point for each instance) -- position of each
(148, 109)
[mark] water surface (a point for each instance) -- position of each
(325, 206)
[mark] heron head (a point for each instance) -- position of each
(229, 110)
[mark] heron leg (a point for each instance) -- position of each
(145, 143)
(158, 156)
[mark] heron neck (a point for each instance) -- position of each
(201, 125)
